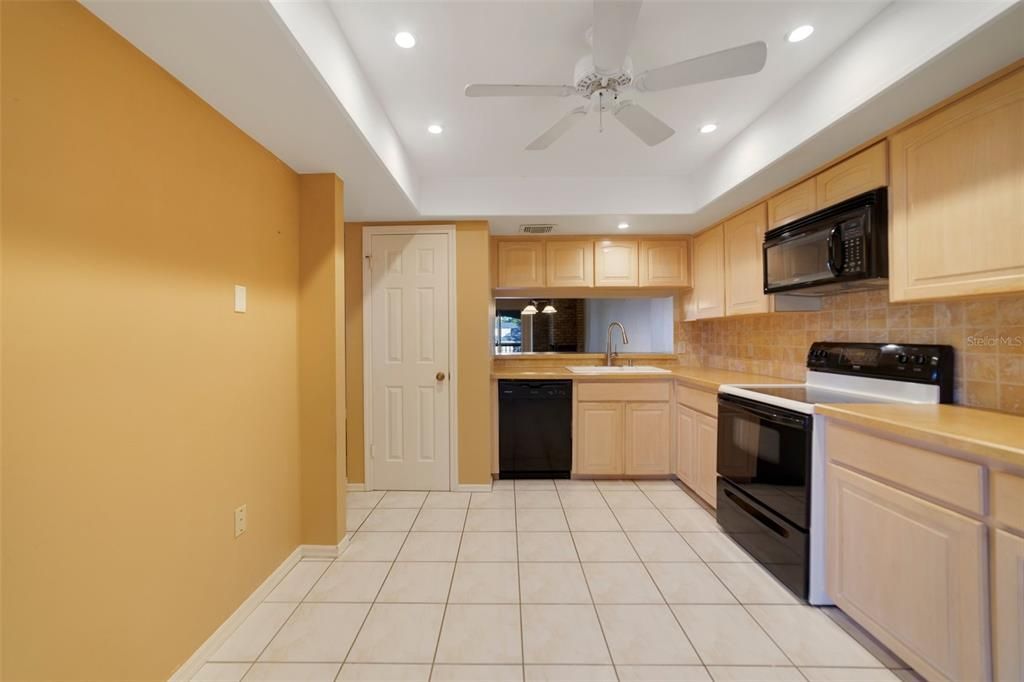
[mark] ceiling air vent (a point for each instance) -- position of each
(536, 228)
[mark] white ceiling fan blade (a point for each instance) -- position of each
(557, 130)
(736, 61)
(642, 123)
(614, 21)
(510, 90)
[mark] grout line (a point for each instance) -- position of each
(519, 579)
(448, 596)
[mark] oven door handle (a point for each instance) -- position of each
(756, 514)
(769, 415)
(834, 268)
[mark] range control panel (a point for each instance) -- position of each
(931, 364)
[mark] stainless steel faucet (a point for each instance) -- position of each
(608, 354)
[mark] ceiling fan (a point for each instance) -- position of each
(605, 77)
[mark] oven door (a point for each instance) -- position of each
(765, 453)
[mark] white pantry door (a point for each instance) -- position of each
(409, 383)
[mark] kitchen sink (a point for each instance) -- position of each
(602, 369)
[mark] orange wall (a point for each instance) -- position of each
(472, 299)
(138, 409)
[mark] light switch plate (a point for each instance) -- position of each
(241, 520)
(239, 298)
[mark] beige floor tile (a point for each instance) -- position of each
(221, 672)
(672, 500)
(350, 581)
(755, 674)
(505, 484)
(418, 582)
(615, 485)
(546, 547)
(531, 520)
(534, 484)
(810, 638)
(604, 547)
(293, 672)
(689, 583)
(849, 675)
(663, 673)
(715, 547)
(451, 520)
(446, 500)
(430, 546)
(485, 583)
(491, 520)
(389, 520)
(621, 583)
(553, 583)
(488, 547)
(650, 520)
(695, 520)
(562, 634)
(582, 499)
(246, 643)
(373, 547)
(354, 518)
(657, 485)
(398, 633)
(480, 633)
(661, 547)
(592, 519)
(384, 672)
(639, 635)
(626, 499)
(445, 672)
(574, 484)
(752, 584)
(402, 499)
(537, 499)
(363, 500)
(317, 633)
(294, 586)
(570, 673)
(727, 635)
(502, 499)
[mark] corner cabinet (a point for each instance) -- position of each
(665, 263)
(743, 237)
(520, 264)
(957, 198)
(570, 263)
(616, 263)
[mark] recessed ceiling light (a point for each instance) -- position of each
(434, 129)
(708, 128)
(623, 226)
(405, 39)
(800, 33)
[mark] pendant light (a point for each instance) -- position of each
(530, 309)
(549, 309)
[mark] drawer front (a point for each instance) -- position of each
(941, 477)
(1008, 499)
(656, 391)
(702, 401)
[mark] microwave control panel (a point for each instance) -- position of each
(852, 245)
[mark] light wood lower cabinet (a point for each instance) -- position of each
(623, 429)
(686, 446)
(648, 439)
(697, 451)
(1008, 605)
(911, 572)
(599, 438)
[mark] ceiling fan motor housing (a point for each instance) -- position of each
(588, 81)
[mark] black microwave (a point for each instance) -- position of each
(839, 248)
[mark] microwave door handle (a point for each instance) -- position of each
(833, 267)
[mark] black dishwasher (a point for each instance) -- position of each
(534, 429)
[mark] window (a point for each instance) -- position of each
(508, 333)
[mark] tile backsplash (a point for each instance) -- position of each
(987, 333)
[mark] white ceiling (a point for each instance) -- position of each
(322, 85)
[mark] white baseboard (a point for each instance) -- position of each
(356, 487)
(474, 488)
(190, 667)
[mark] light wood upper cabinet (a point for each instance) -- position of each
(957, 198)
(706, 477)
(744, 263)
(795, 202)
(616, 263)
(600, 438)
(686, 445)
(570, 263)
(648, 439)
(708, 296)
(911, 572)
(857, 174)
(1007, 605)
(665, 263)
(520, 264)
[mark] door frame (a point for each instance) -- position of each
(370, 231)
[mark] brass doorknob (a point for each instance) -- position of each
(439, 376)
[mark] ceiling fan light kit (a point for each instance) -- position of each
(605, 77)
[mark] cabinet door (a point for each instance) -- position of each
(744, 263)
(957, 198)
(1008, 605)
(520, 264)
(648, 439)
(707, 458)
(859, 173)
(665, 263)
(570, 263)
(686, 446)
(599, 438)
(616, 263)
(795, 202)
(708, 296)
(910, 572)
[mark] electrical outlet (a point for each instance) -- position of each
(241, 520)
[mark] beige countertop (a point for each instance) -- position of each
(992, 435)
(696, 377)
